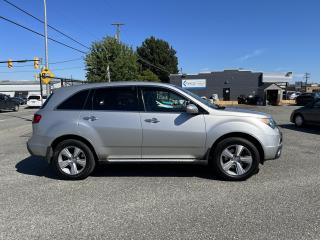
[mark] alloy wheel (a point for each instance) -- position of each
(72, 160)
(236, 160)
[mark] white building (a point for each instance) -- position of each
(24, 88)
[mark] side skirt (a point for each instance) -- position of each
(157, 161)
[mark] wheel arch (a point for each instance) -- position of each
(74, 137)
(246, 136)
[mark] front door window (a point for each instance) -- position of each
(162, 100)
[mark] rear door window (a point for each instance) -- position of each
(116, 99)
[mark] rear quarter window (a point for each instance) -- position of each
(75, 102)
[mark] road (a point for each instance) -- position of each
(160, 201)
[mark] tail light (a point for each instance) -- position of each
(36, 118)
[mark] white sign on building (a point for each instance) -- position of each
(194, 83)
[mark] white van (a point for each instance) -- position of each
(36, 100)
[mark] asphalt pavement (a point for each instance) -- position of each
(282, 201)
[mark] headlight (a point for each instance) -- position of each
(270, 122)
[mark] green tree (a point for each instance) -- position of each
(148, 75)
(161, 55)
(122, 61)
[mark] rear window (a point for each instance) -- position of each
(75, 102)
(34, 98)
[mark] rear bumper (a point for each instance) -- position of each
(36, 149)
(40, 151)
(29, 104)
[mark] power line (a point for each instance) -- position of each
(40, 34)
(153, 65)
(65, 61)
(39, 20)
(63, 44)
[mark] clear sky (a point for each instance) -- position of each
(273, 35)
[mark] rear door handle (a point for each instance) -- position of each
(152, 120)
(91, 118)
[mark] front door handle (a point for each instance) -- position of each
(152, 120)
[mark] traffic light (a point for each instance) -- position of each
(36, 63)
(10, 63)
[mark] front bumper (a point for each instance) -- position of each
(274, 152)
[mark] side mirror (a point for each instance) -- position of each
(192, 109)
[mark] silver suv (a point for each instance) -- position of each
(128, 122)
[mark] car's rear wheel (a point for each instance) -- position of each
(73, 160)
(298, 120)
(235, 159)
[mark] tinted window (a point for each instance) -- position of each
(163, 100)
(34, 98)
(116, 99)
(316, 104)
(75, 102)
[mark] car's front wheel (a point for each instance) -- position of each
(73, 160)
(16, 108)
(298, 120)
(235, 159)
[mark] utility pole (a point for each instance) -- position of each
(117, 25)
(108, 73)
(46, 42)
(306, 77)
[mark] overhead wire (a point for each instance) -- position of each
(40, 34)
(41, 21)
(57, 30)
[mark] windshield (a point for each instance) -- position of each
(204, 101)
(34, 98)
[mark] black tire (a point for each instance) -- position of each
(90, 160)
(216, 160)
(298, 120)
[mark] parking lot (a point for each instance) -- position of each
(160, 201)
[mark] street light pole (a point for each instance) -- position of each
(46, 41)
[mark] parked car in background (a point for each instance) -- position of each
(242, 99)
(7, 103)
(19, 100)
(132, 122)
(294, 95)
(254, 100)
(309, 114)
(306, 98)
(35, 101)
(214, 97)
